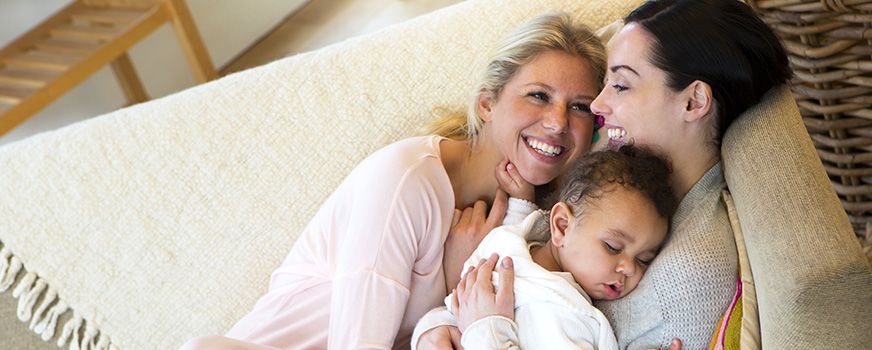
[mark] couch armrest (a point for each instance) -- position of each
(814, 285)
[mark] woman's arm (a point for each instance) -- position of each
(386, 232)
(471, 226)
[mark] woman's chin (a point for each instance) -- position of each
(539, 179)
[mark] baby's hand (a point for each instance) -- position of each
(511, 181)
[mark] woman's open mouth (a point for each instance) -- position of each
(543, 148)
(617, 135)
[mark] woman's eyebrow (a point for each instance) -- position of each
(541, 85)
(618, 67)
(551, 89)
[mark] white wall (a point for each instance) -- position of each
(228, 27)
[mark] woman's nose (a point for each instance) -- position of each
(599, 106)
(556, 119)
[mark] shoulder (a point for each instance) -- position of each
(410, 160)
(414, 147)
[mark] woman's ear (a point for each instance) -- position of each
(485, 105)
(561, 216)
(699, 100)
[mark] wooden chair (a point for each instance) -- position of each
(68, 47)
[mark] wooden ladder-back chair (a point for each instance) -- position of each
(74, 43)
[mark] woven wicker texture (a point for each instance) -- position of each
(829, 43)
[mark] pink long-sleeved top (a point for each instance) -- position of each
(369, 264)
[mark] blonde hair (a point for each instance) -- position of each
(549, 31)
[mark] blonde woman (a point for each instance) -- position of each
(370, 263)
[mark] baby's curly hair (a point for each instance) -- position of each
(632, 167)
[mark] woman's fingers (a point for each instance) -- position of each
(498, 210)
(455, 305)
(455, 338)
(505, 299)
(440, 338)
(479, 211)
(456, 218)
(486, 270)
(464, 282)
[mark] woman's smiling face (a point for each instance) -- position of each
(636, 103)
(541, 119)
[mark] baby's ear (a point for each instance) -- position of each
(561, 215)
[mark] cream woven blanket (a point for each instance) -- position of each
(151, 225)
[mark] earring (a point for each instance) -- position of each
(598, 122)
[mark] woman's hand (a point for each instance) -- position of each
(468, 229)
(475, 297)
(440, 338)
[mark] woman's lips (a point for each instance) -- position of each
(544, 150)
(616, 134)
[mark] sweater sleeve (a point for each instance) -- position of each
(437, 317)
(492, 333)
(517, 210)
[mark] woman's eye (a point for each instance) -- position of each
(539, 95)
(619, 87)
(581, 107)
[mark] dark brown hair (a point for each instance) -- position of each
(631, 167)
(722, 43)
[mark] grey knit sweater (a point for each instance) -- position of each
(691, 282)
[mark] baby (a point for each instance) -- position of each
(612, 216)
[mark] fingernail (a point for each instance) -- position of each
(510, 166)
(507, 263)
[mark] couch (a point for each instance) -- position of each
(147, 226)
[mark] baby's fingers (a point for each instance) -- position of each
(514, 174)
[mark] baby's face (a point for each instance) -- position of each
(609, 248)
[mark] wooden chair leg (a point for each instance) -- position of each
(129, 80)
(191, 42)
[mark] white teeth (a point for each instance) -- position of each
(544, 149)
(617, 133)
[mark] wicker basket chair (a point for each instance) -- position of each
(829, 43)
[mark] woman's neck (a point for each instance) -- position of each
(471, 171)
(690, 165)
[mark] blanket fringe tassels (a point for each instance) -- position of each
(40, 305)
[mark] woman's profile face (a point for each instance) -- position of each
(541, 120)
(636, 103)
